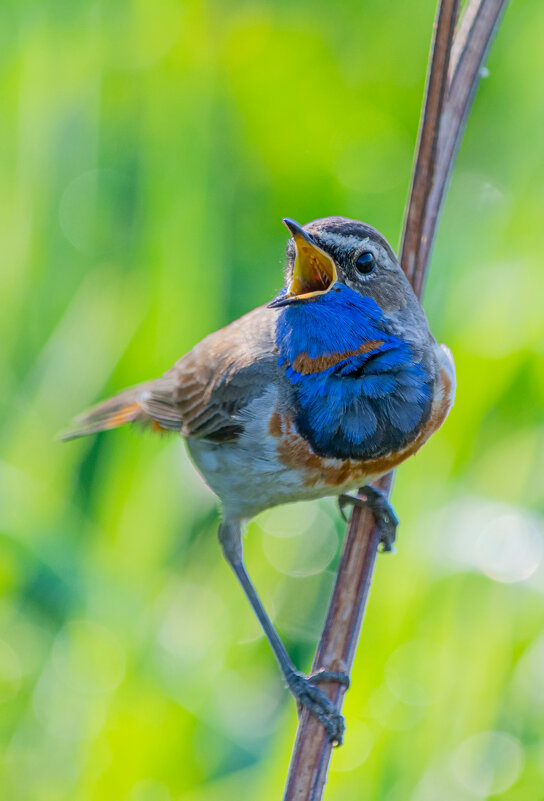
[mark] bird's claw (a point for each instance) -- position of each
(317, 703)
(386, 519)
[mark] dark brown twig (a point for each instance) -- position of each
(446, 108)
(419, 212)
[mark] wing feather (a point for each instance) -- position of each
(205, 391)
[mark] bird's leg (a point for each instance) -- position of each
(301, 687)
(386, 519)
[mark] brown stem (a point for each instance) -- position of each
(414, 247)
(446, 108)
(471, 44)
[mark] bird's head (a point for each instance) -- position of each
(333, 251)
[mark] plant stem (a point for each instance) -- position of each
(453, 76)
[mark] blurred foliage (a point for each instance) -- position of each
(148, 152)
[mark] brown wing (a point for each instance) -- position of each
(203, 394)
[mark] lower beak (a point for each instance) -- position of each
(315, 271)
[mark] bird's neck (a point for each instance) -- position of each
(338, 321)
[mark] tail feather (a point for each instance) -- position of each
(122, 408)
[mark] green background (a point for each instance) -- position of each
(148, 152)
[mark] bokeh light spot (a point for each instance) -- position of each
(510, 548)
(290, 520)
(488, 763)
(193, 617)
(355, 749)
(246, 705)
(65, 712)
(88, 657)
(393, 713)
(401, 674)
(309, 553)
(504, 542)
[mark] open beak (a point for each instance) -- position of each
(314, 272)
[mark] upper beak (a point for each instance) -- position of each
(315, 271)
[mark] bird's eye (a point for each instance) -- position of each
(365, 263)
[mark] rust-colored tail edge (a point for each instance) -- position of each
(112, 413)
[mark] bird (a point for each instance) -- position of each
(321, 391)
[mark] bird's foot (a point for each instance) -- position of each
(386, 519)
(307, 695)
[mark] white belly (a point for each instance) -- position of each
(265, 466)
(247, 474)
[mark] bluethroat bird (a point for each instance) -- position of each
(321, 391)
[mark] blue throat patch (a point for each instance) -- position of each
(359, 391)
